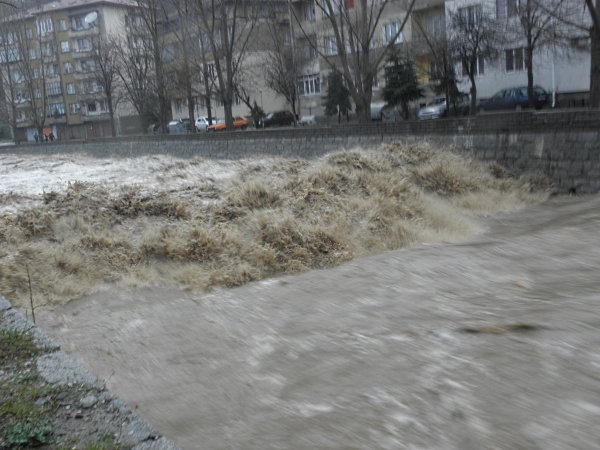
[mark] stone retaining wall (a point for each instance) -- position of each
(563, 145)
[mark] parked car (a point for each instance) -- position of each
(238, 122)
(307, 120)
(179, 126)
(437, 107)
(514, 98)
(202, 123)
(281, 118)
(155, 128)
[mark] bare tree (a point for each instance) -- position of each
(135, 67)
(105, 54)
(32, 55)
(443, 71)
(227, 27)
(353, 50)
(573, 14)
(11, 79)
(535, 24)
(594, 30)
(147, 24)
(474, 38)
(187, 63)
(284, 60)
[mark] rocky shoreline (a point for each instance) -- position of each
(50, 401)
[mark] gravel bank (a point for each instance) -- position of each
(49, 399)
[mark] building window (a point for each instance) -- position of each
(74, 108)
(83, 45)
(14, 55)
(13, 37)
(204, 102)
(479, 67)
(44, 26)
(390, 30)
(17, 77)
(70, 88)
(434, 72)
(64, 46)
(29, 33)
(236, 100)
(55, 70)
(86, 65)
(507, 8)
(436, 26)
(57, 109)
(78, 23)
(32, 54)
(334, 8)
(37, 93)
(68, 67)
(49, 49)
(309, 12)
(61, 25)
(470, 17)
(53, 89)
(89, 87)
(309, 84)
(35, 73)
(330, 46)
(91, 107)
(178, 106)
(515, 61)
(220, 103)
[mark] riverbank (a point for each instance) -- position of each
(50, 401)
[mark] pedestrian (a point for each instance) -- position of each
(51, 136)
(36, 137)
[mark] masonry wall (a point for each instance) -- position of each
(565, 145)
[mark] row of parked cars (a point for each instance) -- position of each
(514, 98)
(278, 118)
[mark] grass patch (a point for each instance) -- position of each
(16, 346)
(23, 424)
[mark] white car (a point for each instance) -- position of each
(202, 123)
(437, 108)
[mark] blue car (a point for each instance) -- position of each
(513, 98)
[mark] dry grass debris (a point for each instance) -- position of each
(275, 217)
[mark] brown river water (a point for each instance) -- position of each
(493, 343)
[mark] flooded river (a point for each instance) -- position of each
(489, 344)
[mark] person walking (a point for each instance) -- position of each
(51, 137)
(36, 137)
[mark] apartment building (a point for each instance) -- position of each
(47, 67)
(560, 66)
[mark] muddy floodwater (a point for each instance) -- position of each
(489, 344)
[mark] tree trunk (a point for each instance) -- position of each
(529, 66)
(363, 109)
(594, 101)
(111, 114)
(15, 137)
(473, 95)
